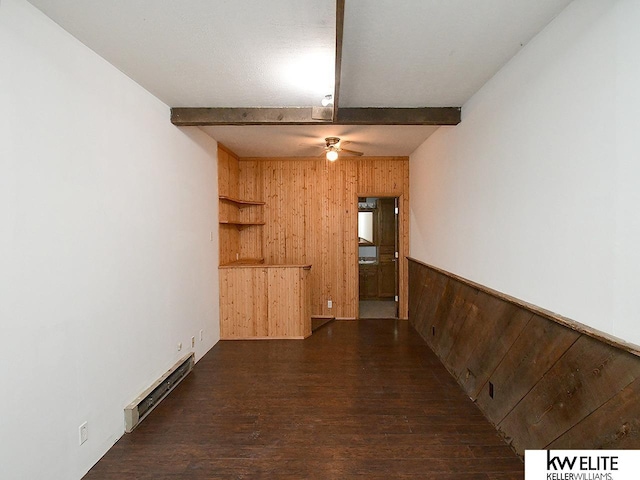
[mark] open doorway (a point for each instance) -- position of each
(378, 257)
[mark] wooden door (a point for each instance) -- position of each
(387, 284)
(368, 282)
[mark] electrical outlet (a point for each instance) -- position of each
(211, 236)
(193, 342)
(179, 346)
(329, 304)
(84, 432)
(201, 333)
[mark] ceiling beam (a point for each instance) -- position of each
(399, 116)
(251, 116)
(185, 116)
(315, 116)
(338, 65)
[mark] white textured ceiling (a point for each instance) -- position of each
(372, 140)
(211, 53)
(435, 53)
(257, 53)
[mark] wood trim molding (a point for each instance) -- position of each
(543, 383)
(564, 321)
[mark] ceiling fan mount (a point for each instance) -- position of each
(334, 145)
(332, 141)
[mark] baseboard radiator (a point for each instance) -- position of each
(137, 410)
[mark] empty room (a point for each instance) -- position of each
(317, 238)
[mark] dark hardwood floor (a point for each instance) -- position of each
(358, 399)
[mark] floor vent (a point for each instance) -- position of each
(135, 412)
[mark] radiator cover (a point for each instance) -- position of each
(137, 410)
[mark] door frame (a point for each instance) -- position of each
(403, 248)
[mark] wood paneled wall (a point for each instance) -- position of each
(245, 242)
(542, 380)
(311, 216)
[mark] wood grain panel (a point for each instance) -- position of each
(447, 328)
(418, 275)
(228, 172)
(223, 172)
(491, 350)
(381, 176)
(251, 242)
(311, 217)
(430, 302)
(250, 180)
(341, 237)
(589, 374)
(615, 425)
(443, 307)
(543, 383)
(229, 238)
(234, 175)
(237, 186)
(305, 302)
(403, 242)
(240, 318)
(483, 341)
(534, 352)
(314, 246)
(264, 302)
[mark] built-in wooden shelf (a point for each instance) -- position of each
(243, 262)
(240, 225)
(240, 203)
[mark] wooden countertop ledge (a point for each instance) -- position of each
(263, 265)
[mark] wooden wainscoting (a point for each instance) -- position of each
(543, 380)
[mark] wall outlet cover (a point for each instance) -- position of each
(84, 432)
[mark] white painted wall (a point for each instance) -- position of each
(537, 192)
(106, 261)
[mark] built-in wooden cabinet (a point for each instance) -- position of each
(264, 302)
(240, 218)
(257, 300)
(368, 276)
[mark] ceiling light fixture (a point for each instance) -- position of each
(327, 100)
(332, 153)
